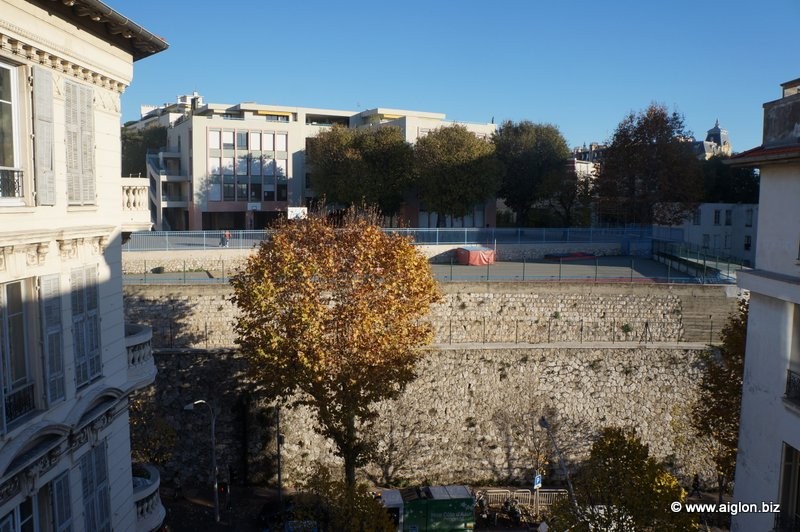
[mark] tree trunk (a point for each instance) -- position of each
(349, 453)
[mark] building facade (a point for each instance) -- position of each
(241, 166)
(768, 463)
(725, 230)
(69, 362)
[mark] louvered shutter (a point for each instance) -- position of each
(79, 346)
(43, 136)
(50, 298)
(72, 142)
(87, 145)
(61, 503)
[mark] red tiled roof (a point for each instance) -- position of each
(761, 154)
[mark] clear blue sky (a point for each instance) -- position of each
(577, 64)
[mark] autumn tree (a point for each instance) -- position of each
(331, 317)
(456, 171)
(533, 157)
(715, 414)
(649, 163)
(622, 487)
(568, 197)
(153, 439)
(353, 166)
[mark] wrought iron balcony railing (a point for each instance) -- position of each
(19, 402)
(10, 182)
(793, 387)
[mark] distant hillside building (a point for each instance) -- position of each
(241, 166)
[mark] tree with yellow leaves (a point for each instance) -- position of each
(331, 315)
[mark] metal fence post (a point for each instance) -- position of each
(523, 267)
(560, 264)
(184, 272)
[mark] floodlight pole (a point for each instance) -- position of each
(191, 406)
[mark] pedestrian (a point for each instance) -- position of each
(222, 242)
(695, 486)
(227, 238)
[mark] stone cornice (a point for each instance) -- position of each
(24, 50)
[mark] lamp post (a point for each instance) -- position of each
(546, 426)
(191, 406)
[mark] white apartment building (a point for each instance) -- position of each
(68, 361)
(768, 464)
(241, 166)
(724, 230)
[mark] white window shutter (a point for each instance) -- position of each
(72, 142)
(87, 145)
(50, 298)
(43, 136)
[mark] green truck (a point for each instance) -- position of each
(429, 509)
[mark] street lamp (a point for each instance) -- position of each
(546, 426)
(191, 406)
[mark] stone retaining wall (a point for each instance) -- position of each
(469, 417)
(506, 353)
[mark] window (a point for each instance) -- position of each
(748, 242)
(227, 140)
(241, 140)
(717, 214)
(282, 192)
(716, 241)
(255, 166)
(728, 216)
(214, 139)
(255, 141)
(281, 167)
(50, 308)
(10, 163)
(19, 397)
(269, 142)
(94, 485)
(789, 516)
(280, 142)
(79, 142)
(214, 166)
(241, 164)
(727, 241)
(61, 503)
(696, 217)
(706, 240)
(227, 165)
(748, 218)
(85, 325)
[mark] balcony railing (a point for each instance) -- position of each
(135, 204)
(141, 366)
(10, 182)
(150, 512)
(19, 402)
(793, 387)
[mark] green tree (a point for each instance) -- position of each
(331, 317)
(568, 197)
(715, 414)
(135, 143)
(355, 166)
(533, 158)
(727, 184)
(456, 171)
(335, 506)
(622, 487)
(649, 163)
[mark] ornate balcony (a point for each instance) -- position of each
(135, 204)
(792, 387)
(150, 512)
(141, 366)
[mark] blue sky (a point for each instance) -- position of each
(577, 64)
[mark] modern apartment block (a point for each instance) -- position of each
(768, 464)
(241, 166)
(69, 362)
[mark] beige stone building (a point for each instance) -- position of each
(68, 360)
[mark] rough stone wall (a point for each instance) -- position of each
(471, 414)
(202, 316)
